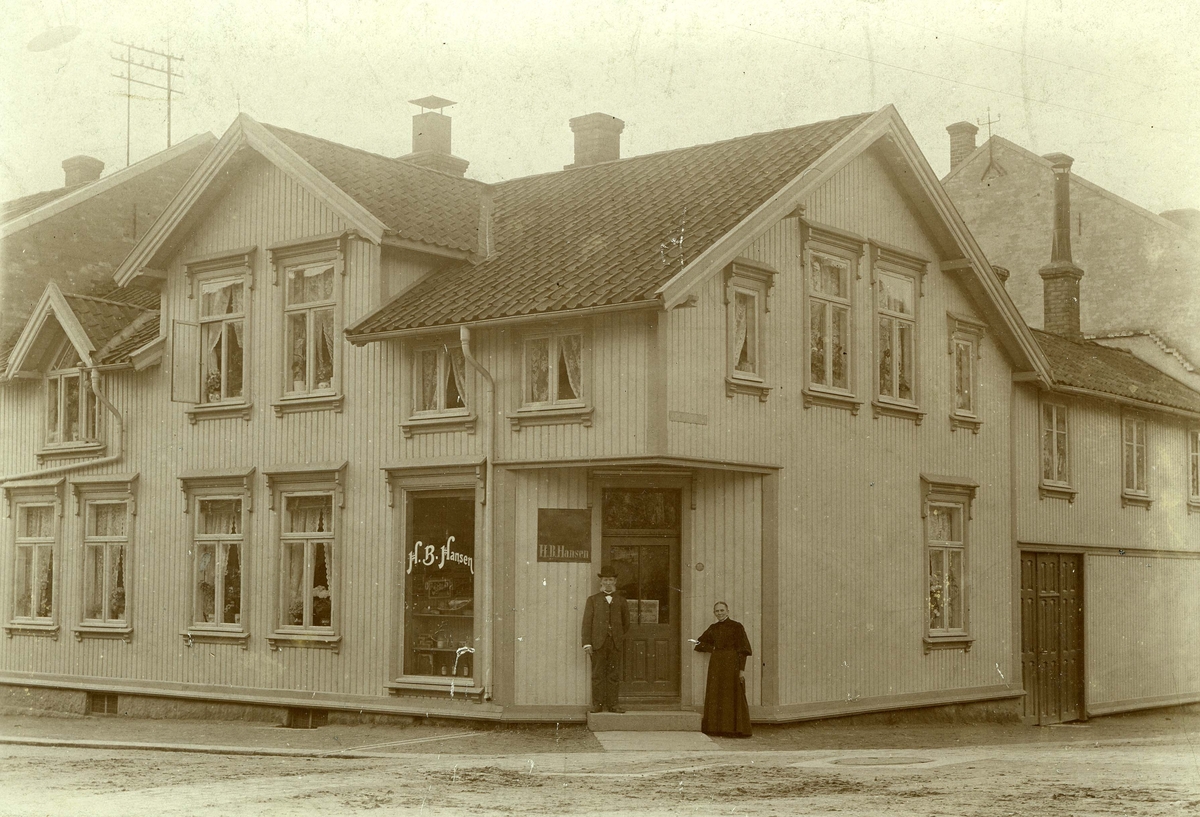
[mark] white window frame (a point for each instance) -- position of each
(441, 418)
(887, 260)
(965, 344)
(21, 495)
(1193, 465)
(824, 242)
(1139, 453)
(287, 258)
(754, 280)
(959, 494)
(1050, 439)
(317, 480)
(225, 320)
(554, 410)
(93, 491)
(91, 425)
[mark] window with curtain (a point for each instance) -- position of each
(829, 310)
(309, 335)
(554, 369)
(439, 380)
(72, 411)
(105, 541)
(946, 551)
(222, 327)
(1134, 455)
(307, 553)
(217, 598)
(1055, 462)
(34, 541)
(895, 304)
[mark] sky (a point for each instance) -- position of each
(1112, 84)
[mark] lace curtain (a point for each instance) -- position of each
(740, 330)
(458, 366)
(572, 349)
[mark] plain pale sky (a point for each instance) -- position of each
(1113, 84)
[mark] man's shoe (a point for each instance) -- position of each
(595, 709)
(616, 710)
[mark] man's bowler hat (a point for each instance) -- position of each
(606, 571)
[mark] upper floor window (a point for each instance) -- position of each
(222, 331)
(1055, 462)
(1194, 466)
(554, 369)
(747, 289)
(35, 545)
(72, 415)
(829, 312)
(965, 341)
(440, 380)
(896, 316)
(1133, 461)
(309, 317)
(105, 543)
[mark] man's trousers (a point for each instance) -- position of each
(606, 675)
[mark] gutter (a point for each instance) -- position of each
(118, 445)
(489, 447)
(1127, 401)
(562, 314)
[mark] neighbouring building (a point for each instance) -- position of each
(391, 421)
(1141, 292)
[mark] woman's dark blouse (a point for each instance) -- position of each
(726, 635)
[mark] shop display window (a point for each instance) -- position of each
(439, 585)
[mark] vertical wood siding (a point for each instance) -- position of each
(1141, 615)
(851, 551)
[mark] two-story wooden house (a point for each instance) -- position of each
(401, 417)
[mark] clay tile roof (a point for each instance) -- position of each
(143, 330)
(593, 236)
(417, 203)
(103, 319)
(138, 296)
(15, 208)
(1087, 365)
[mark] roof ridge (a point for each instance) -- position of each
(365, 152)
(107, 301)
(685, 148)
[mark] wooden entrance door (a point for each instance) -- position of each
(1052, 636)
(641, 542)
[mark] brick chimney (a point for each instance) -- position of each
(597, 139)
(962, 142)
(431, 138)
(81, 170)
(1060, 278)
(1187, 218)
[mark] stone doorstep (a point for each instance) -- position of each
(645, 721)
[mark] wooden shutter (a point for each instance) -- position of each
(185, 362)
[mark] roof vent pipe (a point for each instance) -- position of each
(1060, 278)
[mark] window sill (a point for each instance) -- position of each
(551, 416)
(413, 684)
(123, 632)
(444, 422)
(738, 385)
(1048, 491)
(1136, 500)
(62, 452)
(832, 399)
(219, 411)
(314, 641)
(307, 402)
(215, 636)
(1193, 506)
(955, 642)
(32, 628)
(904, 411)
(958, 421)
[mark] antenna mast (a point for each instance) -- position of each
(157, 62)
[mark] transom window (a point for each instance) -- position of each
(1134, 455)
(440, 380)
(829, 310)
(895, 303)
(218, 561)
(309, 315)
(946, 545)
(35, 561)
(71, 407)
(105, 541)
(554, 369)
(1055, 460)
(222, 327)
(307, 544)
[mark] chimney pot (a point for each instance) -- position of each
(431, 138)
(597, 139)
(962, 142)
(1060, 278)
(81, 170)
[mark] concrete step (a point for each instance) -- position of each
(645, 721)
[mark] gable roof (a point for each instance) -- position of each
(990, 144)
(591, 236)
(14, 208)
(1105, 371)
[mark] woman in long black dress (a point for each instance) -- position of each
(725, 708)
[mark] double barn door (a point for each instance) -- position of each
(1052, 636)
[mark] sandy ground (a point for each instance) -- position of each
(1148, 765)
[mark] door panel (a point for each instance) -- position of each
(647, 570)
(1052, 636)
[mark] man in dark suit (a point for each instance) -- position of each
(605, 622)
